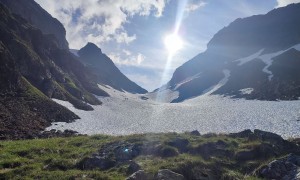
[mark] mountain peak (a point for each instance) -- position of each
(90, 48)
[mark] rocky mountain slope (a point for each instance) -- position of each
(106, 71)
(34, 69)
(38, 17)
(256, 58)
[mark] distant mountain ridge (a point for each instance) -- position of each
(106, 71)
(260, 53)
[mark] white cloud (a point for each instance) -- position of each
(194, 6)
(99, 21)
(126, 52)
(127, 58)
(282, 3)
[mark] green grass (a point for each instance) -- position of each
(57, 158)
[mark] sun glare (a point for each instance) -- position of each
(173, 43)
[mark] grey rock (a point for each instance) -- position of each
(166, 174)
(96, 162)
(285, 168)
(133, 167)
(180, 143)
(195, 133)
(139, 175)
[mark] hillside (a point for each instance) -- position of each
(33, 70)
(260, 55)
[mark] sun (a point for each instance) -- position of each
(173, 43)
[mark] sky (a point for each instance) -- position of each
(132, 32)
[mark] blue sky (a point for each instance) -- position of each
(132, 32)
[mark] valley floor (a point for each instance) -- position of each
(125, 113)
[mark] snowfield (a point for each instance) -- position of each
(125, 113)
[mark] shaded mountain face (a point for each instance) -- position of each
(259, 55)
(33, 70)
(106, 71)
(38, 17)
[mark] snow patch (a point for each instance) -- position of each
(268, 60)
(221, 83)
(163, 95)
(246, 91)
(187, 80)
(213, 113)
(249, 58)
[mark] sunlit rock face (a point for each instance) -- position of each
(261, 52)
(105, 70)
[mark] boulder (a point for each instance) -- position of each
(139, 175)
(133, 167)
(166, 174)
(243, 134)
(96, 162)
(245, 155)
(262, 151)
(166, 151)
(268, 136)
(285, 168)
(195, 133)
(180, 143)
(210, 149)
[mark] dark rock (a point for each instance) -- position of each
(144, 98)
(133, 167)
(195, 133)
(262, 151)
(295, 159)
(210, 149)
(268, 136)
(279, 169)
(245, 155)
(126, 152)
(243, 134)
(221, 144)
(139, 175)
(96, 162)
(166, 151)
(180, 143)
(166, 174)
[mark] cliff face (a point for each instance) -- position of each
(106, 71)
(33, 70)
(250, 54)
(38, 17)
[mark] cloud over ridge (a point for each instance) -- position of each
(100, 21)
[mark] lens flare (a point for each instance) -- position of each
(173, 43)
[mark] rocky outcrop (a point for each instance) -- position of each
(40, 18)
(106, 71)
(285, 168)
